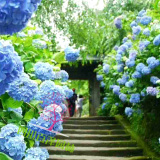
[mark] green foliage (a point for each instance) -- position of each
(87, 28)
(4, 156)
(29, 115)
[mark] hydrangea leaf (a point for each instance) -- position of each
(4, 156)
(29, 115)
(16, 117)
(11, 103)
(59, 57)
(4, 98)
(29, 66)
(35, 102)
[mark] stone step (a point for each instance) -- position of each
(101, 132)
(96, 127)
(96, 143)
(90, 122)
(95, 137)
(79, 157)
(100, 151)
(93, 118)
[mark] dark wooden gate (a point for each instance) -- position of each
(85, 72)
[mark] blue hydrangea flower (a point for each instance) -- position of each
(120, 81)
(120, 52)
(39, 44)
(103, 84)
(136, 30)
(64, 75)
(135, 98)
(125, 39)
(128, 44)
(138, 19)
(150, 60)
(64, 108)
(15, 14)
(118, 23)
(105, 98)
(16, 110)
(136, 75)
(146, 32)
(156, 40)
(14, 147)
(118, 58)
(133, 24)
(68, 92)
(99, 78)
(11, 65)
(143, 94)
(122, 48)
(152, 91)
(128, 111)
(71, 54)
(44, 71)
(145, 20)
(8, 131)
(51, 119)
(50, 93)
(120, 68)
(142, 13)
(139, 67)
(134, 37)
(130, 63)
(123, 80)
(146, 70)
(36, 153)
(154, 64)
(132, 55)
(143, 44)
(106, 68)
(129, 84)
(103, 106)
(116, 48)
(153, 79)
(12, 143)
(117, 104)
(111, 87)
(23, 88)
(116, 89)
(123, 97)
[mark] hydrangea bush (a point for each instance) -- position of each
(15, 15)
(133, 69)
(28, 92)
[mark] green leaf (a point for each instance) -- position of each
(11, 103)
(15, 116)
(59, 57)
(29, 115)
(30, 143)
(4, 98)
(35, 102)
(2, 124)
(4, 156)
(29, 66)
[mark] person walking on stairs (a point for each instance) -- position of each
(80, 105)
(72, 103)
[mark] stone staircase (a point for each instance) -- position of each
(96, 138)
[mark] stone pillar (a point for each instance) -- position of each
(94, 91)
